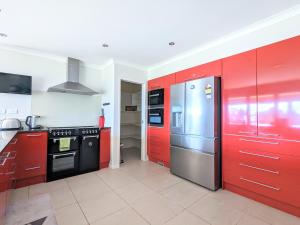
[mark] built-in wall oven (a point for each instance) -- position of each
(156, 117)
(63, 161)
(156, 107)
(156, 97)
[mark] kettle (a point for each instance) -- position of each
(31, 122)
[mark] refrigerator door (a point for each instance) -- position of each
(177, 108)
(201, 107)
(198, 167)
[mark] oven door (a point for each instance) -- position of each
(62, 165)
(53, 145)
(156, 117)
(156, 97)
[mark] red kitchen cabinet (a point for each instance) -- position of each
(278, 89)
(239, 94)
(104, 147)
(261, 170)
(209, 69)
(158, 144)
(32, 158)
(7, 175)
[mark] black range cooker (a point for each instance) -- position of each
(81, 156)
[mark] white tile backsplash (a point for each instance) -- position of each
(15, 106)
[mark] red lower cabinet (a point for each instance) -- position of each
(104, 147)
(32, 158)
(7, 175)
(264, 168)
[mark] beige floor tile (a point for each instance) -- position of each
(272, 215)
(38, 189)
(215, 212)
(161, 182)
(20, 194)
(70, 215)
(185, 193)
(117, 180)
(133, 192)
(62, 198)
(156, 209)
(90, 190)
(250, 220)
(82, 180)
(231, 199)
(56, 185)
(102, 206)
(188, 219)
(125, 216)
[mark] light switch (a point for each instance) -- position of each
(12, 111)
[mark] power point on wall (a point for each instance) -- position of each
(2, 111)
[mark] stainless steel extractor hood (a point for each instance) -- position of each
(72, 84)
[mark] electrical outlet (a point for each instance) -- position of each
(12, 111)
(2, 111)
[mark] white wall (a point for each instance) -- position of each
(56, 109)
(279, 27)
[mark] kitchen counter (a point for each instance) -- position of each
(7, 136)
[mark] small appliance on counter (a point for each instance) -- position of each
(31, 122)
(10, 124)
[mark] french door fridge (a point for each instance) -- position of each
(196, 130)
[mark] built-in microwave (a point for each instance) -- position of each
(156, 117)
(156, 97)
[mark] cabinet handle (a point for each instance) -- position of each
(90, 136)
(33, 135)
(257, 168)
(265, 134)
(260, 155)
(154, 95)
(247, 132)
(33, 168)
(12, 157)
(2, 163)
(11, 173)
(260, 184)
(262, 142)
(13, 143)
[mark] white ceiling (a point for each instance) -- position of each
(137, 31)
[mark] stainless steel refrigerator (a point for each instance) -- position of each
(196, 130)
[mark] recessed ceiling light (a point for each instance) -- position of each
(171, 43)
(3, 35)
(105, 45)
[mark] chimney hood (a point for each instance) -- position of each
(72, 84)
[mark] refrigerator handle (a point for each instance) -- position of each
(177, 119)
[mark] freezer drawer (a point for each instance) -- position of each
(202, 144)
(198, 167)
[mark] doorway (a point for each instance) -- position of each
(130, 122)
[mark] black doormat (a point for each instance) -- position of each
(37, 222)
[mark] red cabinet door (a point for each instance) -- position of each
(278, 89)
(32, 155)
(104, 147)
(209, 69)
(239, 94)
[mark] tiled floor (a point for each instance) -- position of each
(141, 193)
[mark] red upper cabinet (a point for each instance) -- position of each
(161, 82)
(209, 69)
(32, 155)
(278, 89)
(239, 94)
